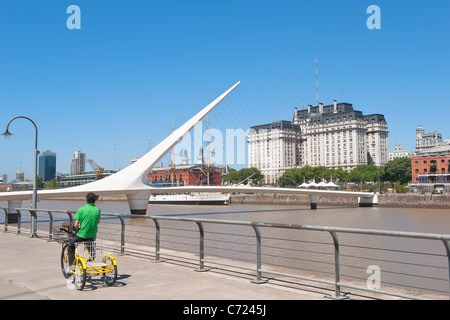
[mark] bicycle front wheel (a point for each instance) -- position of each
(80, 274)
(65, 260)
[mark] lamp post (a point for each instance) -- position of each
(7, 135)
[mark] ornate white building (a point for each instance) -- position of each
(334, 136)
(400, 152)
(426, 141)
(430, 142)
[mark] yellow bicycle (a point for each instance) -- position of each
(91, 258)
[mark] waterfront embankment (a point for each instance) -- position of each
(406, 200)
(30, 270)
(402, 200)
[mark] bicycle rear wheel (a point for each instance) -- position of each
(80, 274)
(110, 277)
(65, 260)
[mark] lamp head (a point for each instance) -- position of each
(7, 134)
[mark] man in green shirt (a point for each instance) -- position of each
(86, 220)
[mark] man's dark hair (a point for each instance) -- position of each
(91, 197)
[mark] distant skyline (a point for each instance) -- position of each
(135, 67)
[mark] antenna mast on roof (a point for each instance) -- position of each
(317, 80)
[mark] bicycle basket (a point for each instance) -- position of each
(94, 252)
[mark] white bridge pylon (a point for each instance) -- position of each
(132, 181)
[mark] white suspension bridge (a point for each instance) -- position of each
(132, 181)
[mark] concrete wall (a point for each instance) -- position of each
(412, 200)
(281, 199)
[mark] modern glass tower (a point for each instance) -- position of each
(47, 165)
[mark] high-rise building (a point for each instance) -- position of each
(77, 165)
(47, 165)
(20, 176)
(274, 148)
(334, 136)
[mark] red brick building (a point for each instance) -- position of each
(184, 175)
(431, 169)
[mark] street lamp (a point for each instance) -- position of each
(7, 135)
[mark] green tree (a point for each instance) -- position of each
(52, 184)
(340, 174)
(296, 176)
(230, 176)
(397, 170)
(366, 172)
(319, 173)
(234, 177)
(255, 175)
(306, 173)
(291, 177)
(39, 182)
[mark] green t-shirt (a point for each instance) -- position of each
(88, 217)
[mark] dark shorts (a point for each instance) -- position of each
(71, 247)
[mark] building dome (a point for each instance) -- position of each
(420, 128)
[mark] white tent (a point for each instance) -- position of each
(331, 185)
(322, 184)
(304, 185)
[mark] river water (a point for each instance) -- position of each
(309, 251)
(399, 219)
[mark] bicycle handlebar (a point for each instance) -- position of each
(67, 231)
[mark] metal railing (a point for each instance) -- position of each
(256, 263)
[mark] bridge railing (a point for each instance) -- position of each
(257, 247)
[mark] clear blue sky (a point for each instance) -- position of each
(136, 65)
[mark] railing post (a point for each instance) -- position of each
(122, 236)
(447, 249)
(157, 239)
(6, 219)
(258, 256)
(33, 226)
(201, 267)
(19, 221)
(50, 227)
(71, 222)
(337, 277)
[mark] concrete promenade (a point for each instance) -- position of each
(30, 270)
